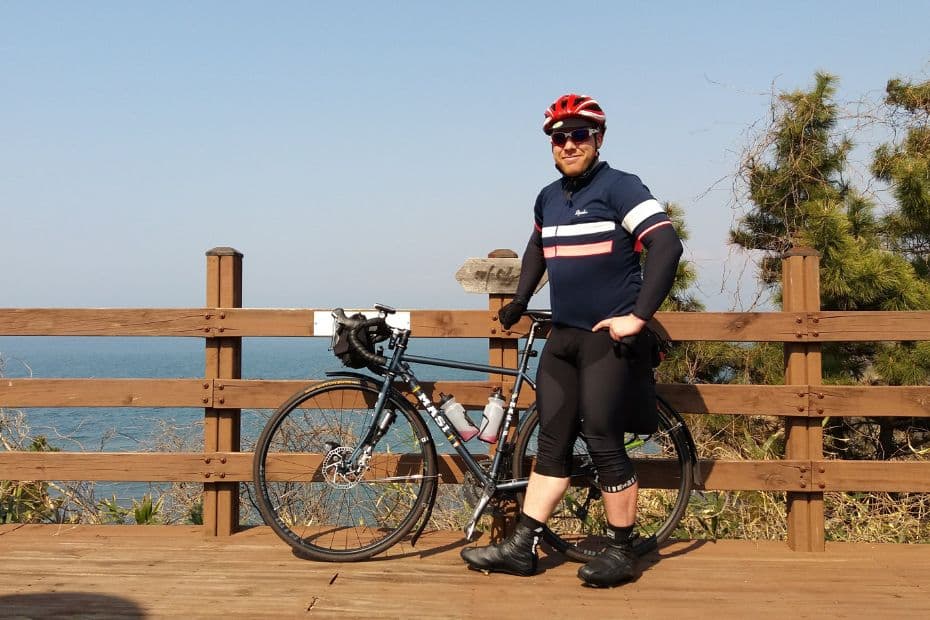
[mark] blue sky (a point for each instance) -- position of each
(360, 152)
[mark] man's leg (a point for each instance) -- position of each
(616, 564)
(543, 494)
(606, 382)
(557, 396)
(621, 506)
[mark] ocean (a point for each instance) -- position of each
(178, 429)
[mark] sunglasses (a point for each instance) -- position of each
(559, 138)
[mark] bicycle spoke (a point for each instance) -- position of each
(663, 464)
(341, 510)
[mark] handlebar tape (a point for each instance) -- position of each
(354, 326)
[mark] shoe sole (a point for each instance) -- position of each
(590, 584)
(488, 571)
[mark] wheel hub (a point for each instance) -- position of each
(335, 472)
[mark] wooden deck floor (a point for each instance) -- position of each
(86, 571)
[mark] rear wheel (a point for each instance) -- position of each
(663, 465)
(325, 509)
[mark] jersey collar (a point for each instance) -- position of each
(573, 184)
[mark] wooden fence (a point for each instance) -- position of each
(803, 402)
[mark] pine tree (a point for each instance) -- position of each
(906, 168)
(800, 197)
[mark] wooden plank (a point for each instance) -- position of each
(723, 475)
(126, 571)
(241, 322)
(299, 322)
(223, 358)
(865, 326)
(871, 401)
(264, 322)
(104, 322)
(781, 475)
(912, 476)
(814, 376)
(733, 326)
(780, 400)
(105, 392)
(803, 441)
(683, 326)
(214, 467)
(237, 467)
(117, 466)
(719, 326)
(269, 394)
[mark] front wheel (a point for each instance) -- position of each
(664, 466)
(322, 504)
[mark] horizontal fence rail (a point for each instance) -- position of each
(769, 400)
(803, 404)
(718, 475)
(266, 322)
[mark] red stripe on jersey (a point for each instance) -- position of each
(638, 246)
(583, 249)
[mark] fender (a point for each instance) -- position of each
(348, 374)
(695, 464)
(524, 416)
(375, 382)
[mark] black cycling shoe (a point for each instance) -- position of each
(616, 564)
(516, 555)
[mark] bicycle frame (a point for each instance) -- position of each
(398, 367)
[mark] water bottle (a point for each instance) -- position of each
(492, 416)
(456, 414)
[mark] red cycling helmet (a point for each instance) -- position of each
(574, 106)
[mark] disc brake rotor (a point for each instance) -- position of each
(333, 469)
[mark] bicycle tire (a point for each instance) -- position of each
(577, 525)
(330, 516)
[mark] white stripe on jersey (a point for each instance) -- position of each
(571, 230)
(640, 212)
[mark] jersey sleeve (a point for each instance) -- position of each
(639, 212)
(538, 215)
(533, 265)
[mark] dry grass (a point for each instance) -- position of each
(849, 517)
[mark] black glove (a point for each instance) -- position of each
(512, 312)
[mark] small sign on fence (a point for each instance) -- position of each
(492, 275)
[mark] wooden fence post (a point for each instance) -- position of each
(223, 361)
(804, 436)
(502, 352)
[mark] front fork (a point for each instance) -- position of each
(357, 462)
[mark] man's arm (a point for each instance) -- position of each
(664, 251)
(532, 268)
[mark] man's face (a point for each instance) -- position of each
(573, 158)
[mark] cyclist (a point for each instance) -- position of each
(590, 227)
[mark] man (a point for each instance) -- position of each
(591, 226)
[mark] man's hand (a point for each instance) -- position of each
(621, 326)
(511, 313)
